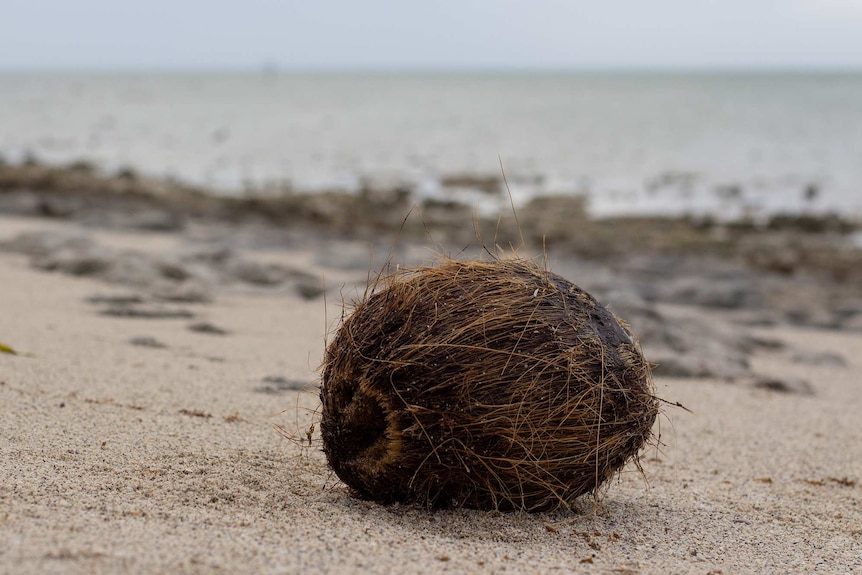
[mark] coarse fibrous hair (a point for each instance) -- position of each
(487, 384)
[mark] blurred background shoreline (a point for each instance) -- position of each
(728, 145)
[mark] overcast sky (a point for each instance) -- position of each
(349, 34)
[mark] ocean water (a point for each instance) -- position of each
(718, 143)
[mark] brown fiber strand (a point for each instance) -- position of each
(488, 384)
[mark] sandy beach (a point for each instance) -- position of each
(144, 423)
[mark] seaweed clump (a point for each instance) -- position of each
(492, 385)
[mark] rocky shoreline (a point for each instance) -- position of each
(695, 291)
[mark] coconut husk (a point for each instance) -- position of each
(487, 384)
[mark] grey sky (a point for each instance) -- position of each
(158, 34)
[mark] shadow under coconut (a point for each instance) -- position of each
(584, 529)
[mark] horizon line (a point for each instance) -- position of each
(275, 69)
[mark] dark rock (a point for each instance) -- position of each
(173, 270)
(118, 300)
(490, 184)
(686, 345)
(146, 341)
(851, 308)
(668, 364)
(186, 292)
(707, 292)
(810, 223)
(848, 315)
(240, 269)
(206, 327)
(82, 166)
(762, 342)
(852, 323)
(82, 261)
(785, 385)
(308, 286)
(147, 312)
(211, 257)
(132, 269)
(127, 173)
(309, 290)
(77, 255)
(727, 365)
(349, 256)
(813, 315)
(60, 207)
(818, 358)
(758, 318)
(45, 243)
(156, 221)
(277, 385)
(21, 203)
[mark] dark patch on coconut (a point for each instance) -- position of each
(494, 385)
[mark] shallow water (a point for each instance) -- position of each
(725, 144)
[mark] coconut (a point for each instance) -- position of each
(486, 384)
